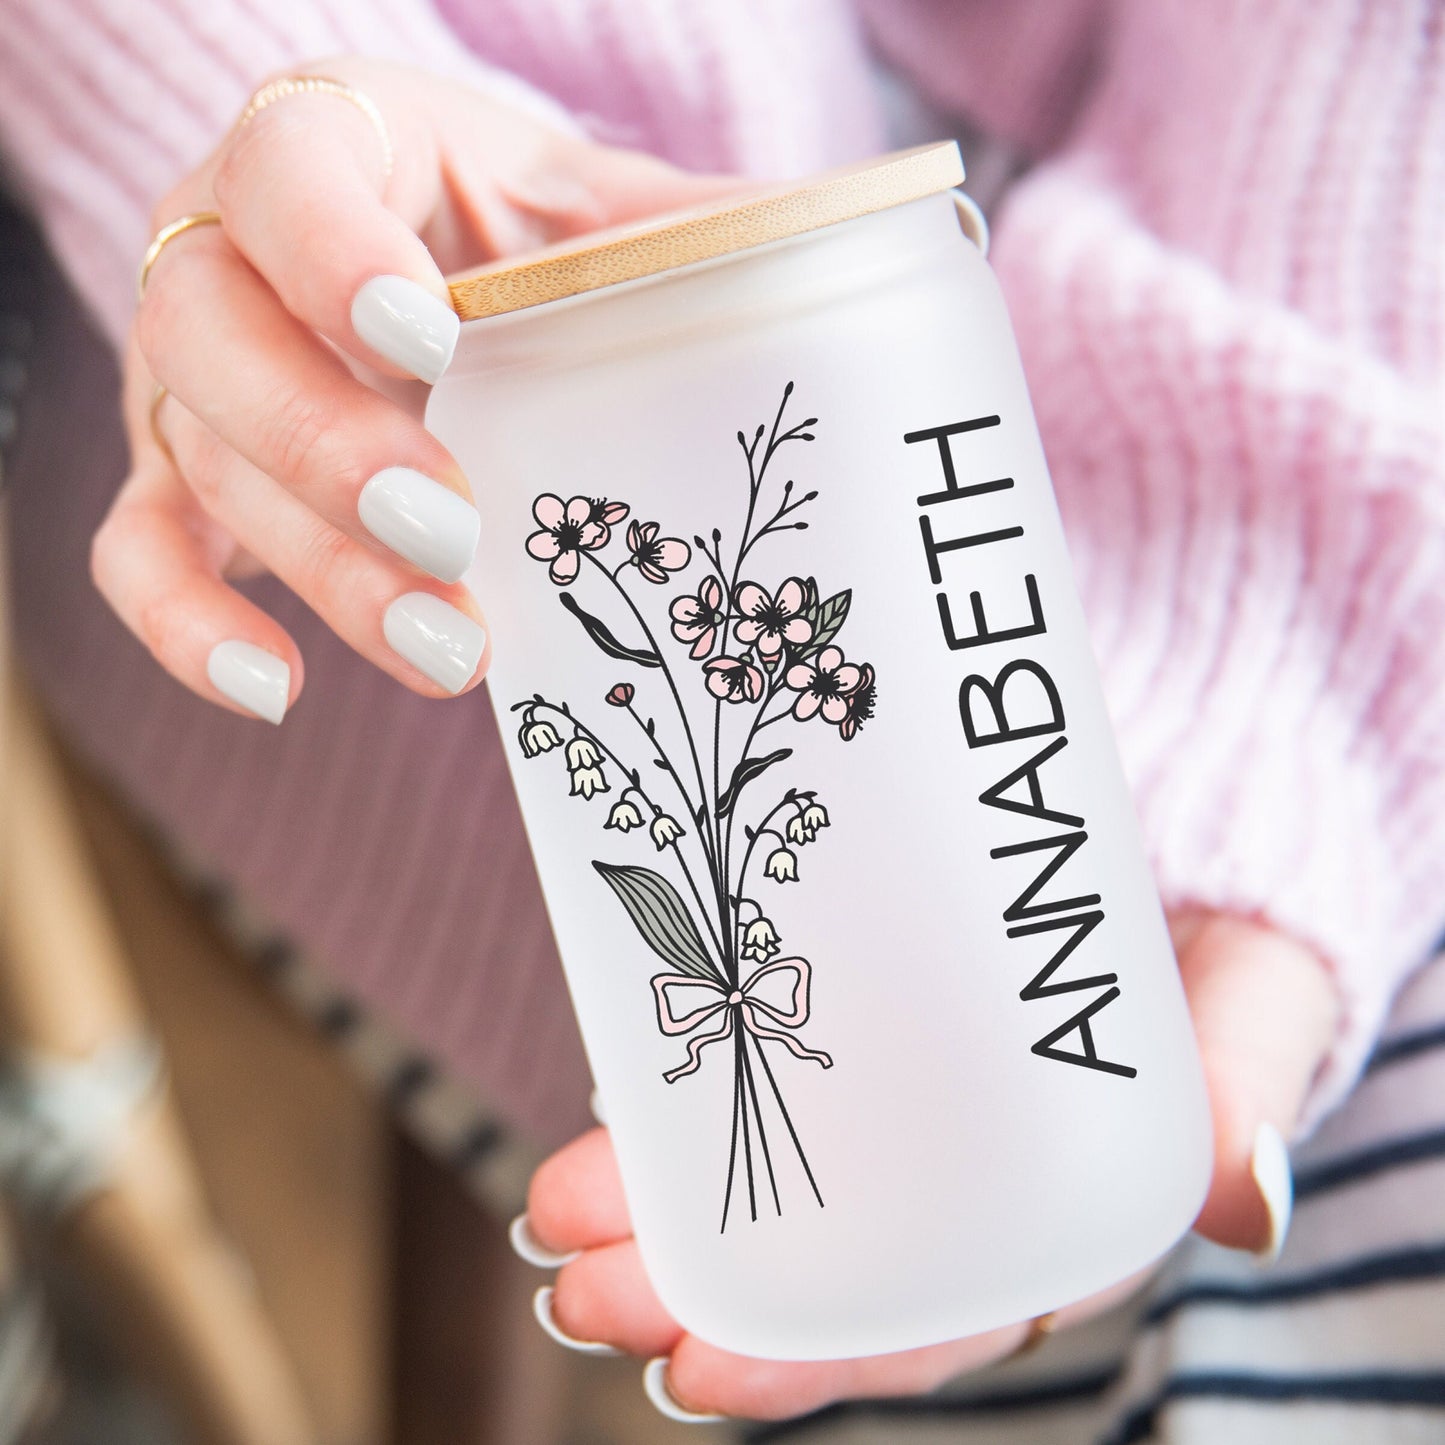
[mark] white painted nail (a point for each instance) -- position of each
(440, 642)
(542, 1308)
(1269, 1164)
(422, 520)
(595, 1103)
(529, 1248)
(407, 324)
(654, 1385)
(255, 679)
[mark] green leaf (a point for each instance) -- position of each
(660, 916)
(598, 631)
(743, 774)
(831, 616)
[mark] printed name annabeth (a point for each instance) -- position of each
(1063, 924)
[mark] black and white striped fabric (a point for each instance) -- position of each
(1341, 1342)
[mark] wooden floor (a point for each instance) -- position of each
(406, 1314)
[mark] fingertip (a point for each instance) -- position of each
(449, 648)
(1269, 1167)
(255, 679)
(575, 1200)
(408, 324)
(658, 1387)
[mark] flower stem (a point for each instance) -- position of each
(787, 1119)
(758, 1113)
(666, 672)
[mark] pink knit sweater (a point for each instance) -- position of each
(1227, 272)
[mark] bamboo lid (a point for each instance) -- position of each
(626, 253)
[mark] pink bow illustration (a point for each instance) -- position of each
(744, 1003)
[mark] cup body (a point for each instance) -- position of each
(890, 1035)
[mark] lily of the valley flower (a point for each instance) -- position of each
(803, 826)
(624, 816)
(568, 529)
(696, 619)
(760, 941)
(582, 752)
(823, 683)
(782, 865)
(656, 556)
(665, 830)
(733, 680)
(586, 782)
(538, 736)
(769, 622)
(815, 816)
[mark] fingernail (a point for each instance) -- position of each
(654, 1385)
(542, 1308)
(595, 1103)
(1269, 1164)
(251, 677)
(422, 520)
(440, 642)
(406, 324)
(531, 1249)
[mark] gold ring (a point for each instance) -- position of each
(1039, 1330)
(276, 90)
(157, 397)
(164, 236)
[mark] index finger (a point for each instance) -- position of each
(302, 186)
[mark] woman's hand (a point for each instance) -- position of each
(326, 267)
(1264, 1012)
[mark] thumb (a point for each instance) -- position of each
(1264, 1010)
(514, 184)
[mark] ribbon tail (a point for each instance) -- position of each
(696, 1045)
(759, 1029)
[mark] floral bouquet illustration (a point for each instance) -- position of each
(767, 649)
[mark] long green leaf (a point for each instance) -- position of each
(598, 631)
(660, 916)
(743, 774)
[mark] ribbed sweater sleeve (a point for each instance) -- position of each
(105, 104)
(1229, 288)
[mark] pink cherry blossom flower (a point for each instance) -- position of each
(696, 619)
(823, 683)
(769, 622)
(656, 556)
(733, 680)
(567, 530)
(609, 514)
(859, 703)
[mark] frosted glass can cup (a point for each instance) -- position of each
(800, 707)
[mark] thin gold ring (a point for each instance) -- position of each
(1040, 1328)
(276, 90)
(165, 236)
(157, 397)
